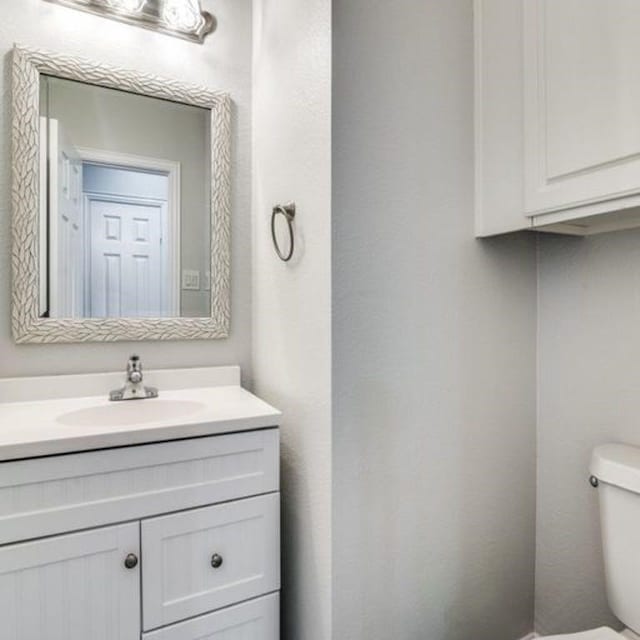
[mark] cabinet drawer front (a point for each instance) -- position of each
(255, 620)
(52, 495)
(180, 576)
(72, 587)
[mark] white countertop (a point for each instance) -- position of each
(34, 428)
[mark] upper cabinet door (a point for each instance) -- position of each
(582, 102)
(72, 587)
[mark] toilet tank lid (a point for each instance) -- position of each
(617, 464)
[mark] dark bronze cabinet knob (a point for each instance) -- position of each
(131, 561)
(216, 561)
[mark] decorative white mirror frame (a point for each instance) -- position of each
(28, 326)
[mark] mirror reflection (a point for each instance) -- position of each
(125, 204)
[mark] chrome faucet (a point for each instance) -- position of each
(133, 388)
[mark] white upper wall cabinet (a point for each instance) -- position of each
(582, 102)
(557, 115)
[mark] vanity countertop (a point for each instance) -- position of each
(53, 426)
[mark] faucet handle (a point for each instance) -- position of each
(134, 369)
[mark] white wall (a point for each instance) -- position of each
(224, 62)
(434, 345)
(588, 378)
(291, 308)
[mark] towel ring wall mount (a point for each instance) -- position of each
(289, 213)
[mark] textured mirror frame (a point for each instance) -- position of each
(27, 325)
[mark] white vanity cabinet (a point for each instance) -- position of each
(178, 540)
(557, 115)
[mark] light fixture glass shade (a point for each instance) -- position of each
(185, 15)
(128, 6)
(180, 18)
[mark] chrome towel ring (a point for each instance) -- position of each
(289, 213)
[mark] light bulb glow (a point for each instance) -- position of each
(185, 15)
(126, 6)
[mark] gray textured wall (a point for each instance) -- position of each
(292, 302)
(433, 345)
(224, 62)
(588, 381)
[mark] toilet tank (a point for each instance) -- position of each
(617, 468)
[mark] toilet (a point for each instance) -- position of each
(615, 472)
(604, 633)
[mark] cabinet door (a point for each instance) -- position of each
(582, 100)
(205, 559)
(72, 587)
(254, 620)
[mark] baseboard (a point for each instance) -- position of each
(531, 636)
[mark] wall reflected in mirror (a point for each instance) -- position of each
(125, 213)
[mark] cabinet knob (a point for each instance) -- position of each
(131, 561)
(216, 561)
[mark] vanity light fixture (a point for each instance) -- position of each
(180, 18)
(126, 6)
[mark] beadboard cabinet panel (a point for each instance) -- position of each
(254, 620)
(71, 587)
(45, 496)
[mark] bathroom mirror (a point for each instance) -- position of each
(121, 204)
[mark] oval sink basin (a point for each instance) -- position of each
(130, 413)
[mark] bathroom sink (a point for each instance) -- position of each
(130, 413)
(64, 414)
